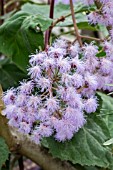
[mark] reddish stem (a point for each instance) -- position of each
(20, 163)
(48, 32)
(49, 1)
(75, 23)
(2, 9)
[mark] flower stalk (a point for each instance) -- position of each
(75, 24)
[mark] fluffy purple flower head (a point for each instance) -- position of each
(34, 101)
(43, 115)
(77, 80)
(91, 81)
(77, 64)
(106, 66)
(43, 83)
(34, 72)
(9, 96)
(66, 79)
(90, 105)
(25, 127)
(56, 52)
(52, 104)
(63, 65)
(60, 43)
(10, 111)
(74, 50)
(26, 87)
(90, 50)
(93, 17)
(44, 131)
(48, 63)
(21, 100)
(37, 59)
(108, 47)
(61, 90)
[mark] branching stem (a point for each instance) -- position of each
(75, 23)
(91, 38)
(62, 18)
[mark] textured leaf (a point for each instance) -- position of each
(36, 9)
(4, 152)
(90, 168)
(34, 21)
(107, 111)
(61, 10)
(10, 74)
(86, 147)
(19, 36)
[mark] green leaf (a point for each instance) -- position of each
(101, 54)
(34, 9)
(7, 15)
(10, 74)
(34, 21)
(21, 35)
(86, 147)
(106, 111)
(4, 152)
(90, 168)
(86, 26)
(103, 30)
(62, 10)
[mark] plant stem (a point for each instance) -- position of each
(62, 18)
(49, 1)
(98, 4)
(20, 163)
(2, 9)
(48, 32)
(91, 38)
(46, 40)
(75, 23)
(51, 14)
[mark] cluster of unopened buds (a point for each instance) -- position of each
(61, 91)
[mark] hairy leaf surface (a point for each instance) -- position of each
(4, 152)
(10, 74)
(107, 111)
(86, 147)
(21, 35)
(61, 10)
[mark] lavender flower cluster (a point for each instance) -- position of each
(104, 15)
(61, 90)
